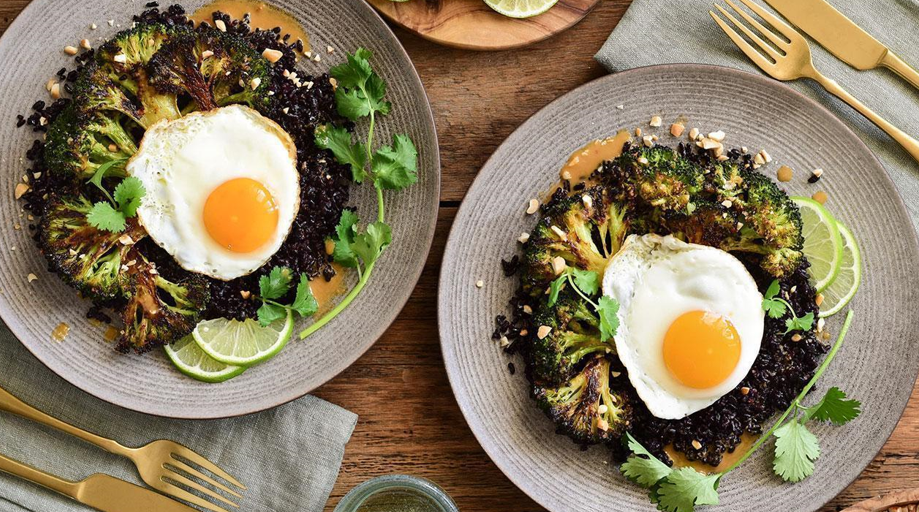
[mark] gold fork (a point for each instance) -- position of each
(791, 60)
(159, 463)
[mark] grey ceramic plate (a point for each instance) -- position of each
(878, 363)
(32, 46)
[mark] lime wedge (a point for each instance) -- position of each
(242, 343)
(192, 361)
(841, 291)
(521, 8)
(822, 242)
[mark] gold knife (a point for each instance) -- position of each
(101, 492)
(842, 37)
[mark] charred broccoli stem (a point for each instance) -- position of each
(585, 408)
(585, 230)
(91, 260)
(574, 335)
(159, 311)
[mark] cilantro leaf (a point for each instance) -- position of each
(834, 407)
(102, 171)
(304, 303)
(796, 449)
(352, 103)
(344, 237)
(369, 244)
(556, 287)
(376, 91)
(609, 321)
(360, 90)
(642, 467)
(104, 216)
(338, 141)
(128, 194)
(396, 167)
(775, 308)
(269, 313)
(685, 488)
(587, 281)
(773, 290)
(799, 323)
(354, 72)
(276, 284)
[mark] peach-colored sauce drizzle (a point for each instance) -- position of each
(60, 332)
(261, 16)
(680, 460)
(583, 162)
(326, 291)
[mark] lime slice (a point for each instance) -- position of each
(242, 343)
(822, 242)
(192, 361)
(841, 291)
(521, 8)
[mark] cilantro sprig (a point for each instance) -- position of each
(587, 283)
(113, 215)
(777, 307)
(276, 285)
(361, 93)
(796, 448)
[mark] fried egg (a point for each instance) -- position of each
(690, 322)
(222, 189)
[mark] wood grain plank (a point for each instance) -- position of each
(409, 420)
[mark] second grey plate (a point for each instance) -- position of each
(877, 365)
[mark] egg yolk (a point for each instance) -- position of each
(241, 215)
(701, 349)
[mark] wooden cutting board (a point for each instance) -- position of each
(472, 25)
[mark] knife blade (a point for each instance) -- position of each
(110, 494)
(841, 36)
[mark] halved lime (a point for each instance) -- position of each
(192, 361)
(521, 8)
(841, 291)
(822, 242)
(242, 343)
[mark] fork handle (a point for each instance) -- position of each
(10, 403)
(910, 144)
(896, 64)
(37, 476)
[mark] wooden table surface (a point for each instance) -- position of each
(409, 421)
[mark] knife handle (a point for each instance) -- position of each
(37, 476)
(11, 404)
(895, 63)
(910, 144)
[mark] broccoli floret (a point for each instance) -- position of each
(575, 335)
(91, 260)
(125, 60)
(585, 229)
(231, 72)
(159, 311)
(654, 178)
(79, 141)
(576, 405)
(94, 91)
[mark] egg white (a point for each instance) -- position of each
(656, 279)
(181, 162)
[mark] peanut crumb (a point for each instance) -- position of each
(696, 444)
(245, 294)
(558, 265)
(532, 206)
(718, 136)
(479, 283)
(693, 133)
(32, 277)
(543, 331)
(819, 299)
(656, 121)
(85, 44)
(527, 309)
(21, 189)
(71, 50)
(676, 129)
(221, 26)
(745, 390)
(523, 238)
(796, 337)
(272, 55)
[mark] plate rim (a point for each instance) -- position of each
(452, 239)
(16, 326)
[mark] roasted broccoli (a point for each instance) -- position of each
(92, 260)
(575, 335)
(584, 229)
(230, 72)
(585, 408)
(158, 311)
(80, 141)
(654, 178)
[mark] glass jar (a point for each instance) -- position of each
(397, 493)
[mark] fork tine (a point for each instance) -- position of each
(186, 453)
(177, 464)
(784, 28)
(182, 479)
(180, 493)
(778, 41)
(744, 46)
(764, 46)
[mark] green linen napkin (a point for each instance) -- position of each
(680, 31)
(288, 457)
